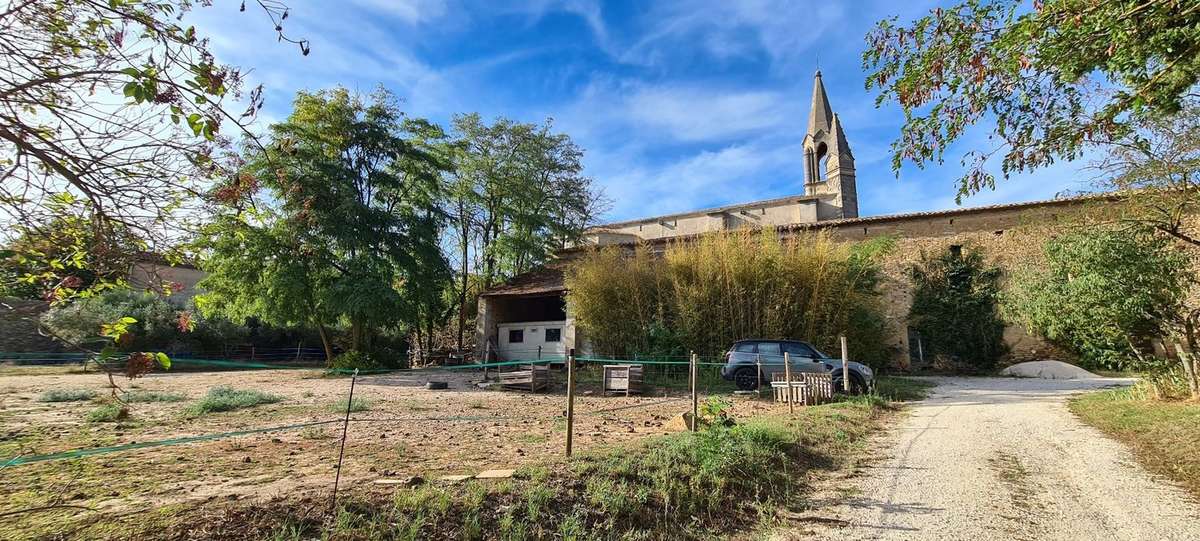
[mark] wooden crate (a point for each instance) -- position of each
(623, 379)
(532, 378)
(806, 388)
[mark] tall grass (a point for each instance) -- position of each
(706, 294)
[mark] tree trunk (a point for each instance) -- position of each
(355, 335)
(325, 343)
(1191, 362)
(462, 295)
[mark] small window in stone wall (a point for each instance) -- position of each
(516, 336)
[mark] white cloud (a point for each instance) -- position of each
(702, 114)
(410, 11)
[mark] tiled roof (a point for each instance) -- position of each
(548, 279)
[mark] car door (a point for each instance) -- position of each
(770, 354)
(804, 358)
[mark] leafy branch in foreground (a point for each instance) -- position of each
(117, 105)
(1055, 79)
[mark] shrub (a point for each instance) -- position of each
(707, 294)
(151, 396)
(356, 359)
(955, 308)
(67, 395)
(108, 413)
(1103, 295)
(225, 398)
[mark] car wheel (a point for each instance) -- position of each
(856, 385)
(746, 379)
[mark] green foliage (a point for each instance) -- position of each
(134, 160)
(351, 360)
(356, 405)
(898, 389)
(107, 413)
(1056, 78)
(145, 321)
(151, 396)
(1103, 294)
(722, 288)
(67, 395)
(955, 308)
(346, 229)
(65, 257)
(226, 398)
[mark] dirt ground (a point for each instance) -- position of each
(993, 458)
(408, 430)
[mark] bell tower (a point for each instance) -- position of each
(828, 162)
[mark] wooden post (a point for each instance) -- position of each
(920, 351)
(695, 398)
(787, 374)
(758, 382)
(298, 344)
(570, 399)
(845, 366)
(539, 353)
(487, 356)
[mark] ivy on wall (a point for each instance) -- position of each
(955, 308)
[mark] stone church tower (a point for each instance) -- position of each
(828, 162)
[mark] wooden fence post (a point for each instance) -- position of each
(845, 367)
(695, 399)
(758, 381)
(570, 399)
(787, 374)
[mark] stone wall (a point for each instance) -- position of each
(19, 329)
(1008, 237)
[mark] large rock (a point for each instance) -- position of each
(1047, 370)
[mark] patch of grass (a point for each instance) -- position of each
(315, 433)
(67, 395)
(153, 396)
(1162, 434)
(226, 398)
(108, 413)
(358, 404)
(898, 389)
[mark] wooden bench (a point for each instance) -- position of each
(805, 388)
(623, 379)
(532, 378)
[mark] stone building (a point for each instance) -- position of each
(528, 316)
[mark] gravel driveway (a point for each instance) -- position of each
(990, 458)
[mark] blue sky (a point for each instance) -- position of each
(680, 105)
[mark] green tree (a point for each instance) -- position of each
(351, 227)
(66, 256)
(955, 307)
(1103, 294)
(516, 194)
(1053, 78)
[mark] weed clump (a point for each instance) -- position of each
(226, 398)
(67, 395)
(358, 404)
(108, 413)
(152, 396)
